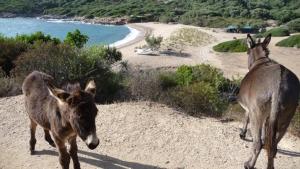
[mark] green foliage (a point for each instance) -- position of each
(36, 37)
(8, 85)
(68, 64)
(168, 80)
(277, 32)
(184, 75)
(294, 25)
(198, 98)
(154, 42)
(198, 12)
(76, 39)
(106, 54)
(199, 89)
(292, 41)
(238, 45)
(10, 49)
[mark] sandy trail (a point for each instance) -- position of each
(140, 135)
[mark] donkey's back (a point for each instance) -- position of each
(35, 84)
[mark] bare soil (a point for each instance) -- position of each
(140, 135)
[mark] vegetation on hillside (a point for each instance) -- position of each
(294, 25)
(215, 13)
(292, 41)
(277, 32)
(238, 45)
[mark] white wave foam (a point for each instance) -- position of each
(131, 36)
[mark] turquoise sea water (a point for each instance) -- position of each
(98, 34)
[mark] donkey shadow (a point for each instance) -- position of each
(102, 161)
(279, 150)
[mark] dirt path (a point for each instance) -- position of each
(140, 135)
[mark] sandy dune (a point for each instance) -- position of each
(140, 135)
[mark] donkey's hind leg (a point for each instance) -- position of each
(32, 141)
(256, 130)
(48, 138)
(245, 126)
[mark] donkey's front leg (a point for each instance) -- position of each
(64, 157)
(73, 152)
(32, 141)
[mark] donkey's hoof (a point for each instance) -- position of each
(32, 152)
(247, 166)
(242, 135)
(52, 144)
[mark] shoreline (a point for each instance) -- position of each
(136, 33)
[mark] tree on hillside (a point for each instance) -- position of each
(76, 39)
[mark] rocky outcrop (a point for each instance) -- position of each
(7, 15)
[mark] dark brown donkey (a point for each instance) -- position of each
(269, 93)
(65, 113)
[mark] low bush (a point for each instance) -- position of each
(10, 49)
(292, 41)
(277, 32)
(238, 45)
(199, 98)
(67, 64)
(8, 85)
(294, 25)
(37, 36)
(197, 90)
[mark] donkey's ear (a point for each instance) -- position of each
(267, 41)
(250, 41)
(59, 94)
(91, 87)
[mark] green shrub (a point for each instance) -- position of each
(277, 32)
(10, 49)
(37, 36)
(67, 64)
(199, 98)
(292, 41)
(232, 46)
(144, 84)
(154, 42)
(184, 75)
(8, 85)
(168, 80)
(294, 25)
(195, 89)
(211, 75)
(76, 39)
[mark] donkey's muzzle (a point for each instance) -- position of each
(93, 146)
(92, 141)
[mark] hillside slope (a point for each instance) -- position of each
(154, 10)
(140, 135)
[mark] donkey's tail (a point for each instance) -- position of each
(272, 127)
